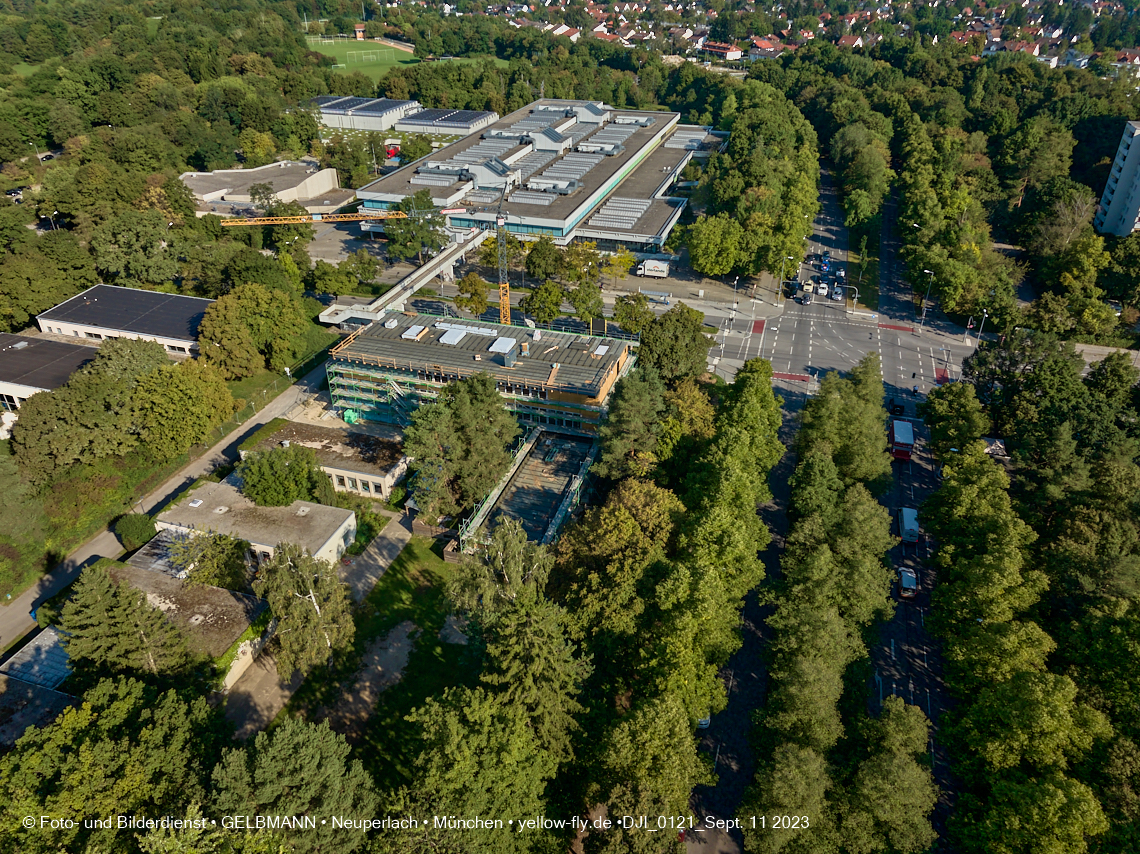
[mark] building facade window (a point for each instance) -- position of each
(340, 481)
(9, 402)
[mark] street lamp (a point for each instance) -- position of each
(926, 298)
(35, 148)
(856, 302)
(985, 314)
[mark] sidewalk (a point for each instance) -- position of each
(15, 616)
(260, 695)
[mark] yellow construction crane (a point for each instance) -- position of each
(289, 220)
(500, 237)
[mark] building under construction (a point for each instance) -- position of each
(560, 380)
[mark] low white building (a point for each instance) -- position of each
(226, 192)
(31, 365)
(348, 113)
(324, 532)
(109, 311)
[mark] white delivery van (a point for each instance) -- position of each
(908, 524)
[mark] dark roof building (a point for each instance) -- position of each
(30, 365)
(447, 121)
(363, 113)
(106, 311)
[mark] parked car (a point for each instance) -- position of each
(908, 583)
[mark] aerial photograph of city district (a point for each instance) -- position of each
(569, 427)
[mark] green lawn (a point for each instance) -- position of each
(350, 54)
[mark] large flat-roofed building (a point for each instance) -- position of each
(557, 379)
(324, 532)
(30, 365)
(570, 170)
(347, 113)
(108, 311)
(227, 192)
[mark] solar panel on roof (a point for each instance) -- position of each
(353, 103)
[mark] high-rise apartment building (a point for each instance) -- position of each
(1119, 210)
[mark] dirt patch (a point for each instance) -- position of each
(454, 630)
(381, 668)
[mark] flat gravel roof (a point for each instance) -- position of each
(132, 310)
(422, 343)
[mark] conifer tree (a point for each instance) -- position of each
(298, 769)
(111, 627)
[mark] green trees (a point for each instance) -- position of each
(134, 249)
(459, 445)
(134, 530)
(249, 329)
(675, 344)
(716, 245)
(587, 301)
(90, 416)
(279, 476)
(210, 558)
(479, 758)
(298, 769)
(618, 265)
(311, 605)
(125, 749)
(629, 433)
(472, 294)
(864, 787)
(954, 416)
(532, 667)
(632, 312)
(509, 568)
(544, 260)
(109, 627)
(421, 229)
(544, 302)
(1020, 728)
(177, 405)
(848, 417)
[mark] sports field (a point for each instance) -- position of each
(370, 58)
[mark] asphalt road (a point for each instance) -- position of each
(804, 342)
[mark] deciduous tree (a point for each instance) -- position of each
(675, 343)
(312, 608)
(472, 294)
(544, 302)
